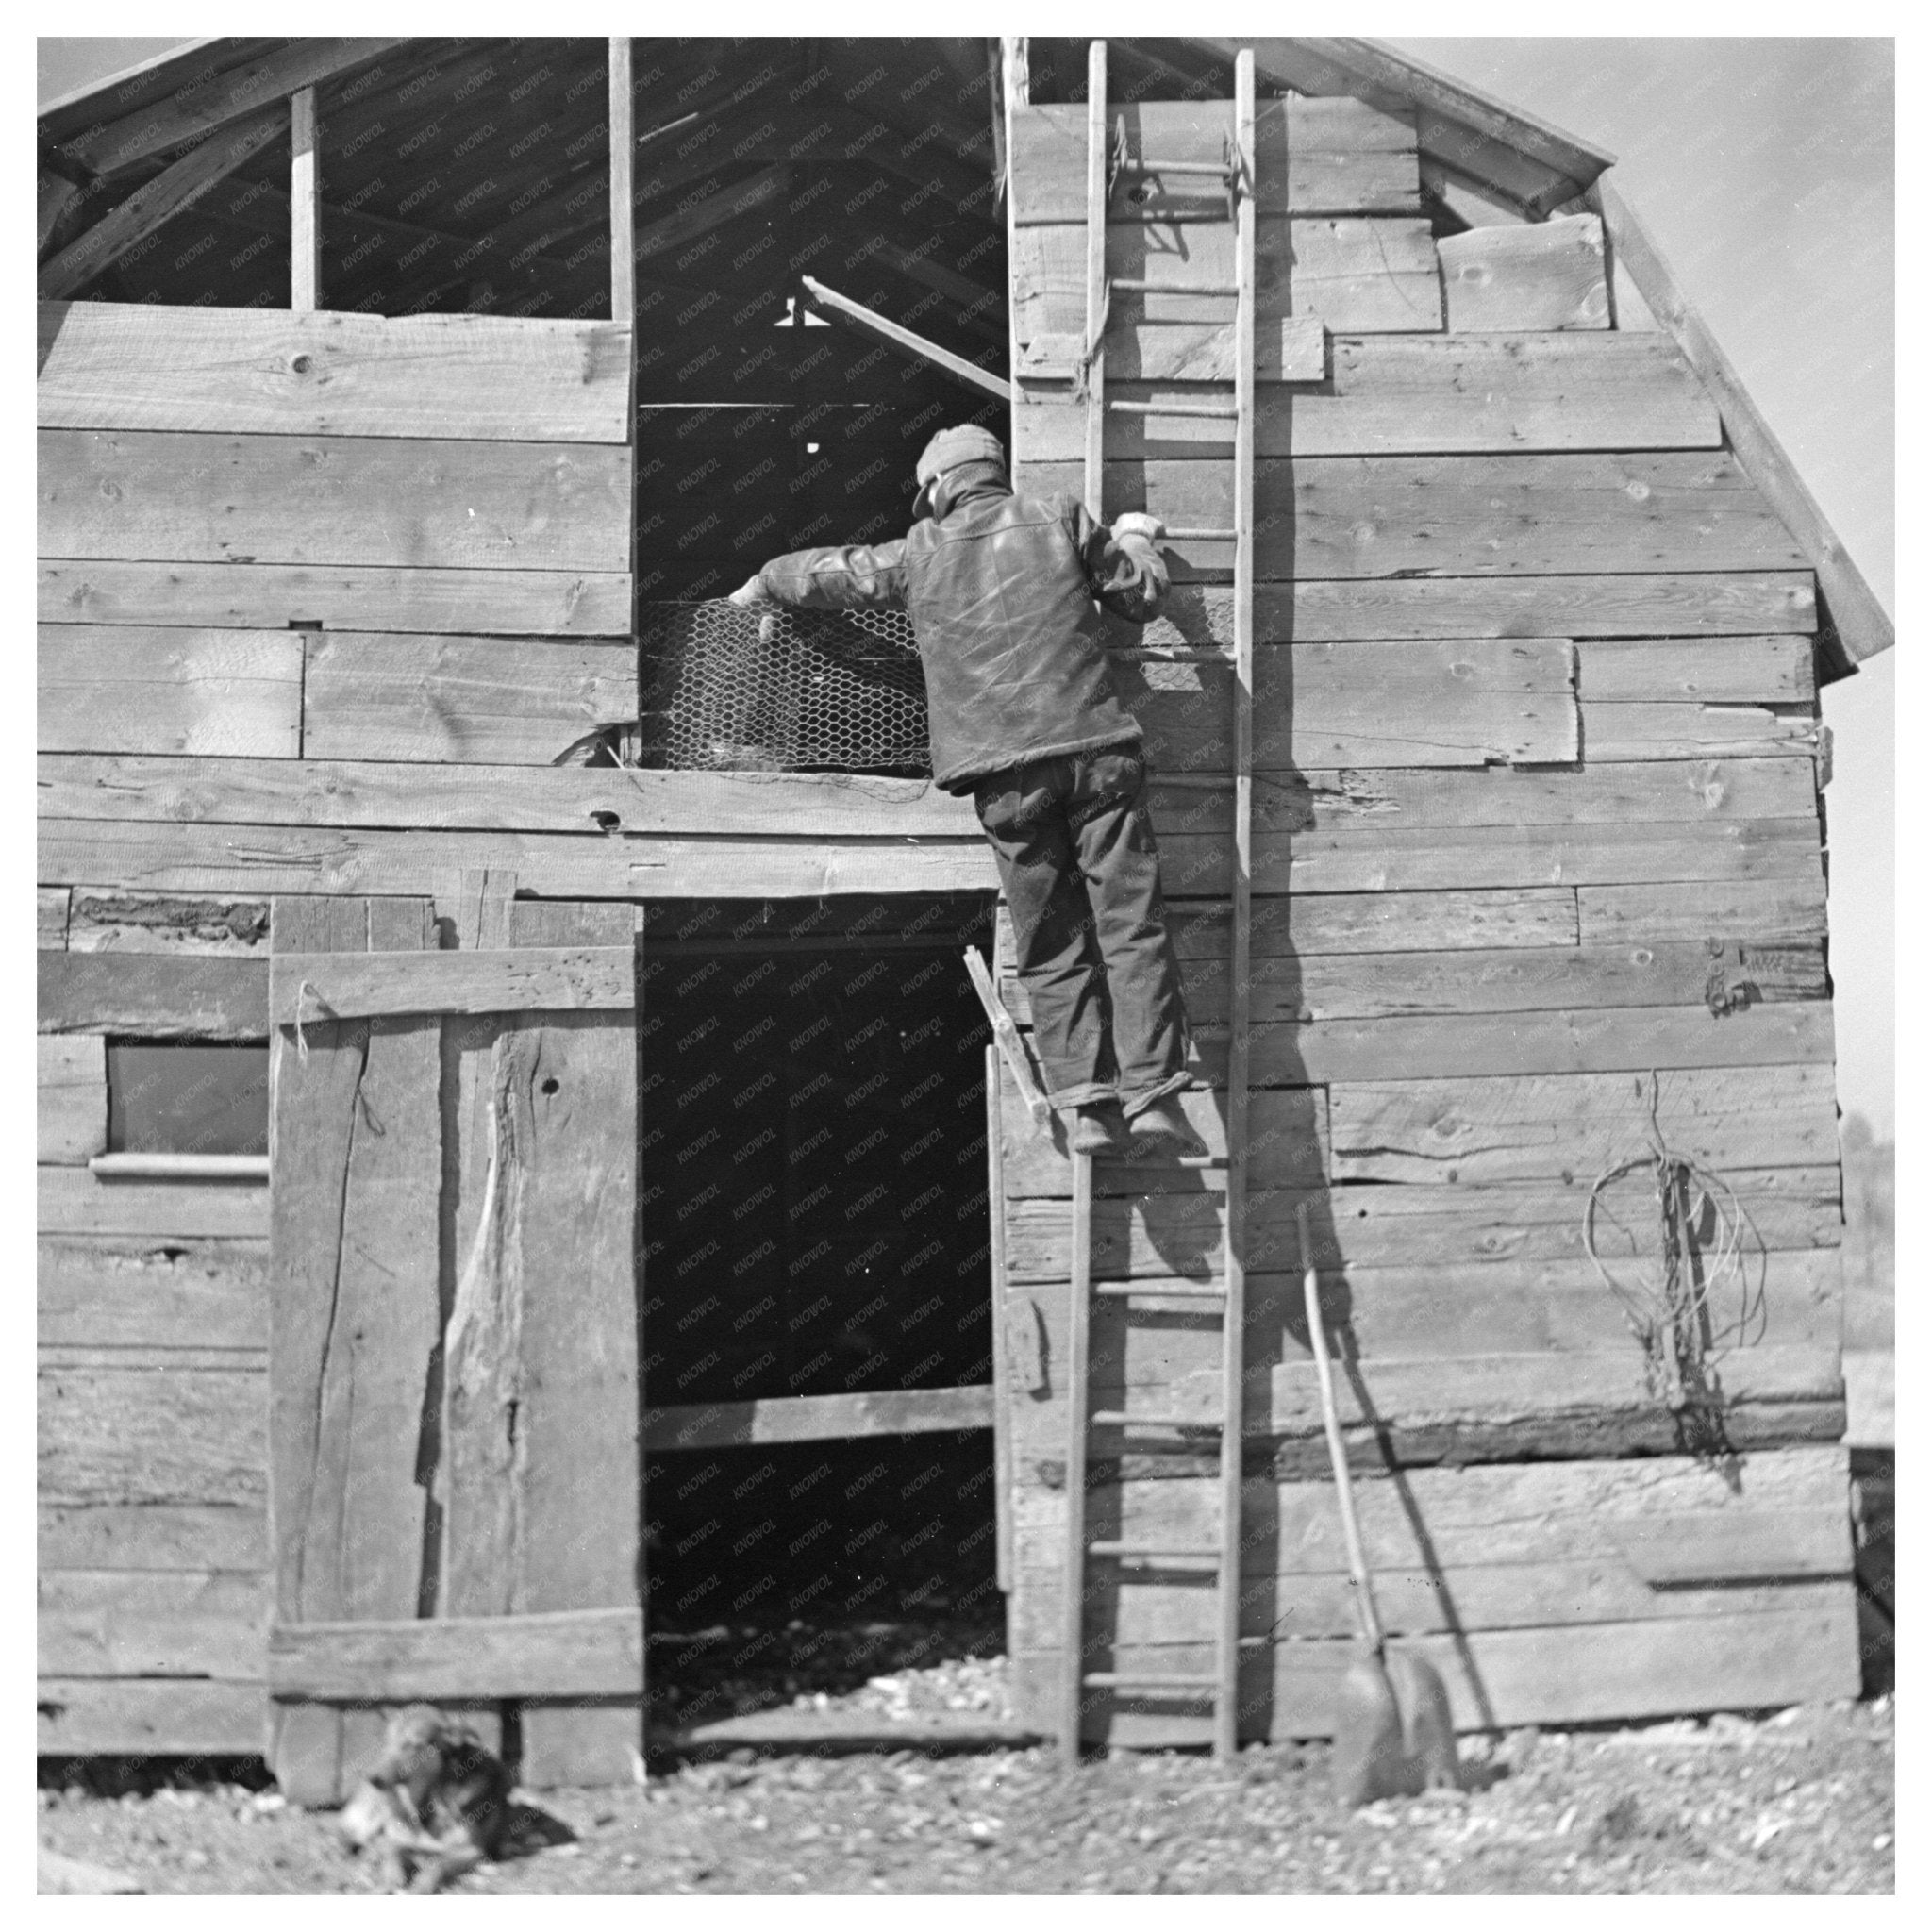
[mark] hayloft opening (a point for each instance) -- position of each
(815, 1214)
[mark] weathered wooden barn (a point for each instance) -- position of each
(431, 1133)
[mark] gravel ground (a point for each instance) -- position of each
(1800, 1801)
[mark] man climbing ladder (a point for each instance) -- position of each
(1002, 592)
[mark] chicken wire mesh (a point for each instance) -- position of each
(730, 690)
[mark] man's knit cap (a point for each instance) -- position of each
(968, 443)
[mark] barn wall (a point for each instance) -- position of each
(284, 558)
(1537, 816)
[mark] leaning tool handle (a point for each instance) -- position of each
(1338, 1456)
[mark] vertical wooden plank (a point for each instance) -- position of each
(1234, 1314)
(1002, 1392)
(353, 1317)
(305, 202)
(582, 1485)
(623, 267)
(71, 1114)
(51, 904)
(1093, 375)
(1014, 94)
(1074, 1576)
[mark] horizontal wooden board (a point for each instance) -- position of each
(1310, 157)
(154, 1536)
(1379, 921)
(50, 918)
(1556, 1041)
(73, 1201)
(159, 1434)
(109, 921)
(1554, 1676)
(1499, 1130)
(1714, 603)
(1669, 1552)
(818, 1418)
(71, 1098)
(1357, 276)
(1419, 394)
(306, 987)
(112, 365)
(151, 1716)
(455, 700)
(151, 1623)
(1506, 980)
(122, 689)
(587, 1653)
(1518, 515)
(343, 792)
(1386, 1226)
(1527, 276)
(247, 596)
(1622, 732)
(133, 1294)
(154, 995)
(1790, 906)
(336, 500)
(1703, 670)
(1403, 705)
(1287, 349)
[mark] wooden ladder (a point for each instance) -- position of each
(1222, 1687)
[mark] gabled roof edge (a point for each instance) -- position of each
(1853, 625)
(189, 52)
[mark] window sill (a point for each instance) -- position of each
(180, 1167)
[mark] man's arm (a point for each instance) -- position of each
(1127, 573)
(855, 576)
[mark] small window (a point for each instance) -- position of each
(169, 1099)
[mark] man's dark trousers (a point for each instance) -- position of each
(1082, 880)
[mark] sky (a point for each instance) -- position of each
(1764, 167)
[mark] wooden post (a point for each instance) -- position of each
(624, 263)
(1094, 358)
(1073, 1569)
(304, 204)
(1002, 1393)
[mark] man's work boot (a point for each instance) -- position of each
(1162, 1128)
(1096, 1130)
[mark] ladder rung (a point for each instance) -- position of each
(1139, 285)
(1186, 1294)
(1187, 1553)
(1219, 169)
(1120, 1419)
(1220, 411)
(1147, 1680)
(1204, 535)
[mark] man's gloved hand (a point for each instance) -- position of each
(753, 596)
(1138, 523)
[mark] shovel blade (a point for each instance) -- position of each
(1370, 1759)
(1428, 1733)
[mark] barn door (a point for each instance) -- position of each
(453, 1403)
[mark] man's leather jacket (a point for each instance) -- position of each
(1001, 592)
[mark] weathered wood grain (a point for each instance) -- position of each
(503, 603)
(144, 690)
(335, 500)
(150, 1716)
(151, 1623)
(154, 995)
(154, 1536)
(306, 987)
(1676, 731)
(558, 1654)
(1387, 1227)
(159, 1434)
(1486, 1129)
(1287, 349)
(70, 1099)
(1705, 671)
(1380, 921)
(131, 1294)
(51, 908)
(354, 1314)
(1532, 275)
(459, 700)
(73, 1201)
(1339, 517)
(109, 921)
(818, 1418)
(110, 365)
(1553, 1675)
(1391, 395)
(1355, 276)
(1310, 158)
(1790, 906)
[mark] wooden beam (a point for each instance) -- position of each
(729, 204)
(154, 997)
(622, 144)
(903, 342)
(228, 97)
(1861, 621)
(177, 187)
(308, 988)
(305, 202)
(56, 194)
(869, 1413)
(546, 1654)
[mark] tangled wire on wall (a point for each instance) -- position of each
(1692, 1300)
